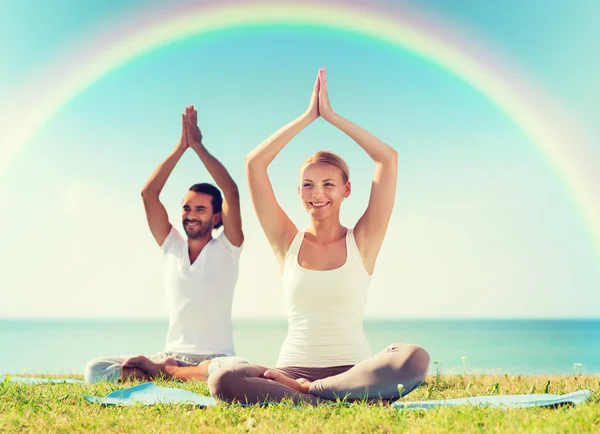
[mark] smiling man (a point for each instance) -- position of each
(200, 273)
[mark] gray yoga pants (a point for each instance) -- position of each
(375, 378)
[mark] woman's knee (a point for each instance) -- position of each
(411, 356)
(220, 382)
(224, 383)
(419, 359)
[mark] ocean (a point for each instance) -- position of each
(526, 347)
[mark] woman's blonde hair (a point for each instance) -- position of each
(329, 158)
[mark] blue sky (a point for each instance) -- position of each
(482, 227)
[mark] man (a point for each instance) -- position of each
(200, 273)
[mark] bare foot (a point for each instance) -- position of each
(301, 384)
(162, 366)
(135, 362)
(153, 369)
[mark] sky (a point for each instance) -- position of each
(483, 225)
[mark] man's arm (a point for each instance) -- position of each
(231, 212)
(156, 214)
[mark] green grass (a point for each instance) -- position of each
(62, 408)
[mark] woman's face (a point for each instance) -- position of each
(322, 189)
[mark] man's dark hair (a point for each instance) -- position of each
(217, 199)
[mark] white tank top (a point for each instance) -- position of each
(325, 311)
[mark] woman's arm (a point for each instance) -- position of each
(371, 227)
(278, 227)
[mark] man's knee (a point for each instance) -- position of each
(221, 362)
(100, 369)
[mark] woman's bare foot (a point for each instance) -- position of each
(301, 384)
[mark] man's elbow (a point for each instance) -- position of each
(232, 192)
(147, 193)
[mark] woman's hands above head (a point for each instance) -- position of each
(319, 101)
(312, 112)
(325, 110)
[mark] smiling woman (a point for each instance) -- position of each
(326, 272)
(321, 177)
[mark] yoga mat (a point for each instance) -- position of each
(36, 380)
(502, 401)
(151, 394)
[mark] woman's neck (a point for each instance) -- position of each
(326, 231)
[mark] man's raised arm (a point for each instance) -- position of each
(231, 212)
(156, 214)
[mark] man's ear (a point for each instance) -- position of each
(216, 218)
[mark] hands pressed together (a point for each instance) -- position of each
(191, 137)
(319, 102)
(319, 106)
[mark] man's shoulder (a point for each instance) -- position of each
(173, 242)
(223, 242)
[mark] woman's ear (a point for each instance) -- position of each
(348, 189)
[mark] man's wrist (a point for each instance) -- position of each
(199, 148)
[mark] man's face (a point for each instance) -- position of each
(197, 218)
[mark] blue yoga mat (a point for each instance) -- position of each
(151, 394)
(36, 380)
(502, 401)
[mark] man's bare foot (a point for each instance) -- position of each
(135, 361)
(301, 384)
(153, 369)
(162, 366)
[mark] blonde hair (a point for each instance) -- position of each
(329, 158)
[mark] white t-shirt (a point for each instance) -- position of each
(199, 296)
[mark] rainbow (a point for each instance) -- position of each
(433, 41)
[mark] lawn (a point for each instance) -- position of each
(62, 408)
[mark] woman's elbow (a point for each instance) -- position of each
(252, 162)
(390, 159)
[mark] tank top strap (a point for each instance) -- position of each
(353, 253)
(351, 246)
(296, 243)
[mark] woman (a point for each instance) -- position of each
(326, 270)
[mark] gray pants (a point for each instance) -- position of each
(109, 368)
(377, 377)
